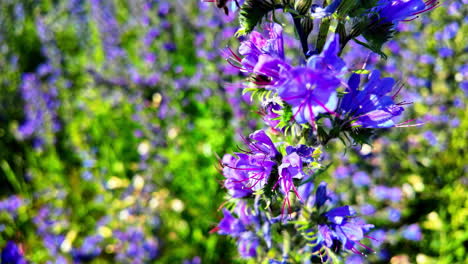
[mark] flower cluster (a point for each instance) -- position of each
(307, 105)
(339, 226)
(263, 166)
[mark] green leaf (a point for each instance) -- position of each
(252, 12)
(376, 49)
(11, 176)
(323, 33)
(376, 35)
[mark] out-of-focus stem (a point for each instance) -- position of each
(302, 35)
(286, 243)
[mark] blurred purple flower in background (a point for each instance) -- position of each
(361, 179)
(412, 232)
(393, 194)
(394, 214)
(11, 205)
(12, 254)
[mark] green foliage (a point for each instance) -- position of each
(377, 36)
(252, 12)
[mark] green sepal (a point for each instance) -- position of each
(361, 136)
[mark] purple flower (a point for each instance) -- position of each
(303, 151)
(104, 14)
(343, 226)
(247, 241)
(361, 178)
(393, 11)
(339, 224)
(230, 225)
(245, 214)
(236, 179)
(370, 107)
(394, 214)
(12, 254)
(445, 52)
(319, 12)
(260, 143)
(263, 55)
(305, 191)
(449, 32)
(367, 209)
(378, 237)
(11, 205)
(40, 106)
(249, 171)
(328, 61)
(355, 259)
(271, 115)
(170, 46)
(430, 137)
(88, 250)
(290, 168)
(195, 260)
(412, 232)
(164, 9)
(381, 192)
(247, 245)
(342, 172)
(321, 195)
(309, 93)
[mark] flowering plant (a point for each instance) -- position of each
(270, 183)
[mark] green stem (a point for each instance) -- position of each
(322, 35)
(286, 243)
(302, 35)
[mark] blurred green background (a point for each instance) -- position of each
(113, 114)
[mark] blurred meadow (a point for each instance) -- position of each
(113, 114)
